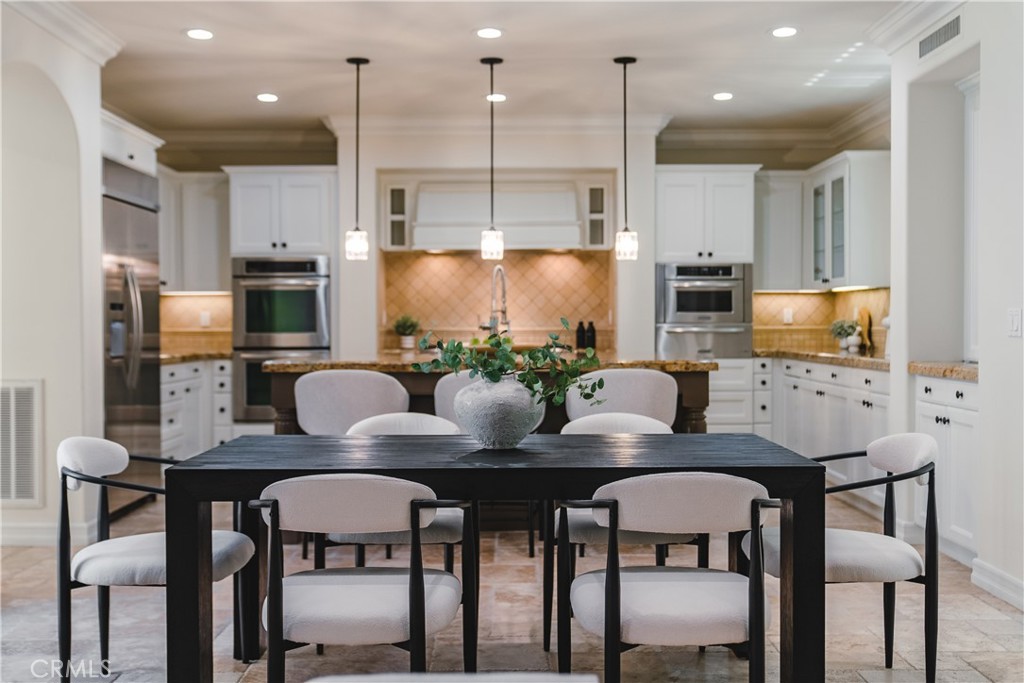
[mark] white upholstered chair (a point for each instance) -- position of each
(868, 557)
(446, 527)
(138, 560)
(668, 606)
(330, 401)
(361, 605)
(629, 390)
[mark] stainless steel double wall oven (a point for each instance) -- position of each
(704, 312)
(281, 310)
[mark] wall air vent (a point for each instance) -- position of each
(20, 443)
(939, 37)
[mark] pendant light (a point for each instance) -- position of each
(357, 242)
(492, 241)
(627, 246)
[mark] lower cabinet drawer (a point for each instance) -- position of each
(762, 407)
(172, 448)
(222, 434)
(730, 407)
(171, 420)
(222, 410)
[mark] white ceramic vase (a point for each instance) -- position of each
(843, 343)
(407, 341)
(497, 414)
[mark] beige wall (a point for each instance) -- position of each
(52, 270)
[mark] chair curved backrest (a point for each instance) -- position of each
(92, 456)
(328, 402)
(899, 453)
(346, 503)
(616, 423)
(444, 397)
(681, 502)
(628, 390)
(404, 423)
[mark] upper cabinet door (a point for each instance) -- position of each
(255, 214)
(679, 216)
(305, 213)
(705, 214)
(729, 218)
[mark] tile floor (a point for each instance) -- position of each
(980, 637)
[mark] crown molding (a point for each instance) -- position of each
(650, 124)
(72, 26)
(751, 138)
(247, 139)
(128, 128)
(906, 21)
(860, 122)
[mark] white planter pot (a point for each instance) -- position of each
(497, 414)
(407, 341)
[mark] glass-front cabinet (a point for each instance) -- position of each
(846, 229)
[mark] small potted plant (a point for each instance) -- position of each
(504, 406)
(842, 330)
(406, 328)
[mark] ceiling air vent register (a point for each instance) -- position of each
(939, 37)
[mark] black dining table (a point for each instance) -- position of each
(543, 467)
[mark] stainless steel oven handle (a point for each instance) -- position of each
(714, 329)
(706, 284)
(282, 283)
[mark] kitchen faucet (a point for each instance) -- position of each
(494, 322)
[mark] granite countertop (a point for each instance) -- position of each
(171, 358)
(399, 361)
(965, 372)
(868, 361)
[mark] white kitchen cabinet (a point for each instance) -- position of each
(763, 382)
(282, 210)
(846, 221)
(127, 144)
(778, 229)
(731, 396)
(185, 428)
(940, 412)
(869, 420)
(705, 214)
(194, 231)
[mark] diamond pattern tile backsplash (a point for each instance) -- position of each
(451, 293)
(180, 331)
(813, 315)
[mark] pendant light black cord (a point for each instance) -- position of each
(491, 61)
(359, 62)
(624, 61)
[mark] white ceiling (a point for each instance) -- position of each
(425, 61)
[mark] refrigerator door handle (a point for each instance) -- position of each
(135, 297)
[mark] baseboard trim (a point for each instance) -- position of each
(45, 534)
(998, 583)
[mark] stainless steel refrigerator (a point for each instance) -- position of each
(131, 311)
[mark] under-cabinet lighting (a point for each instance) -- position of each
(851, 288)
(195, 293)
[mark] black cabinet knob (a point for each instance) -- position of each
(188, 390)
(764, 366)
(789, 367)
(807, 371)
(710, 254)
(938, 420)
(222, 409)
(867, 381)
(221, 385)
(170, 421)
(131, 157)
(284, 245)
(764, 382)
(945, 420)
(273, 245)
(171, 374)
(195, 369)
(834, 376)
(927, 390)
(700, 253)
(825, 280)
(764, 407)
(959, 394)
(794, 387)
(870, 404)
(173, 393)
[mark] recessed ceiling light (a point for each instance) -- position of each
(857, 44)
(809, 83)
(199, 34)
(267, 97)
(496, 97)
(838, 59)
(489, 33)
(845, 55)
(821, 74)
(722, 96)
(784, 32)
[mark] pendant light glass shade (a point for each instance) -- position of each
(627, 243)
(357, 242)
(492, 242)
(357, 245)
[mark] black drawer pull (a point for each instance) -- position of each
(221, 385)
(273, 245)
(172, 393)
(835, 376)
(789, 367)
(959, 394)
(807, 371)
(870, 404)
(170, 421)
(764, 407)
(710, 254)
(764, 366)
(284, 245)
(222, 409)
(938, 420)
(927, 390)
(195, 369)
(867, 381)
(794, 387)
(764, 383)
(170, 374)
(188, 390)
(700, 253)
(945, 420)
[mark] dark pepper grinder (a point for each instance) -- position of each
(591, 336)
(581, 336)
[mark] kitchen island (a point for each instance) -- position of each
(691, 377)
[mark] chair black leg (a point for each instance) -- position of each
(583, 549)
(931, 624)
(387, 551)
(703, 550)
(449, 558)
(547, 519)
(305, 546)
(64, 627)
(360, 555)
(889, 610)
(530, 513)
(660, 554)
(103, 610)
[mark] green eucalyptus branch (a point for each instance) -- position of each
(556, 359)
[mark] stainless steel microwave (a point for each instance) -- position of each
(701, 294)
(281, 302)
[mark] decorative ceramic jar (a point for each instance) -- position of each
(843, 343)
(407, 341)
(497, 414)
